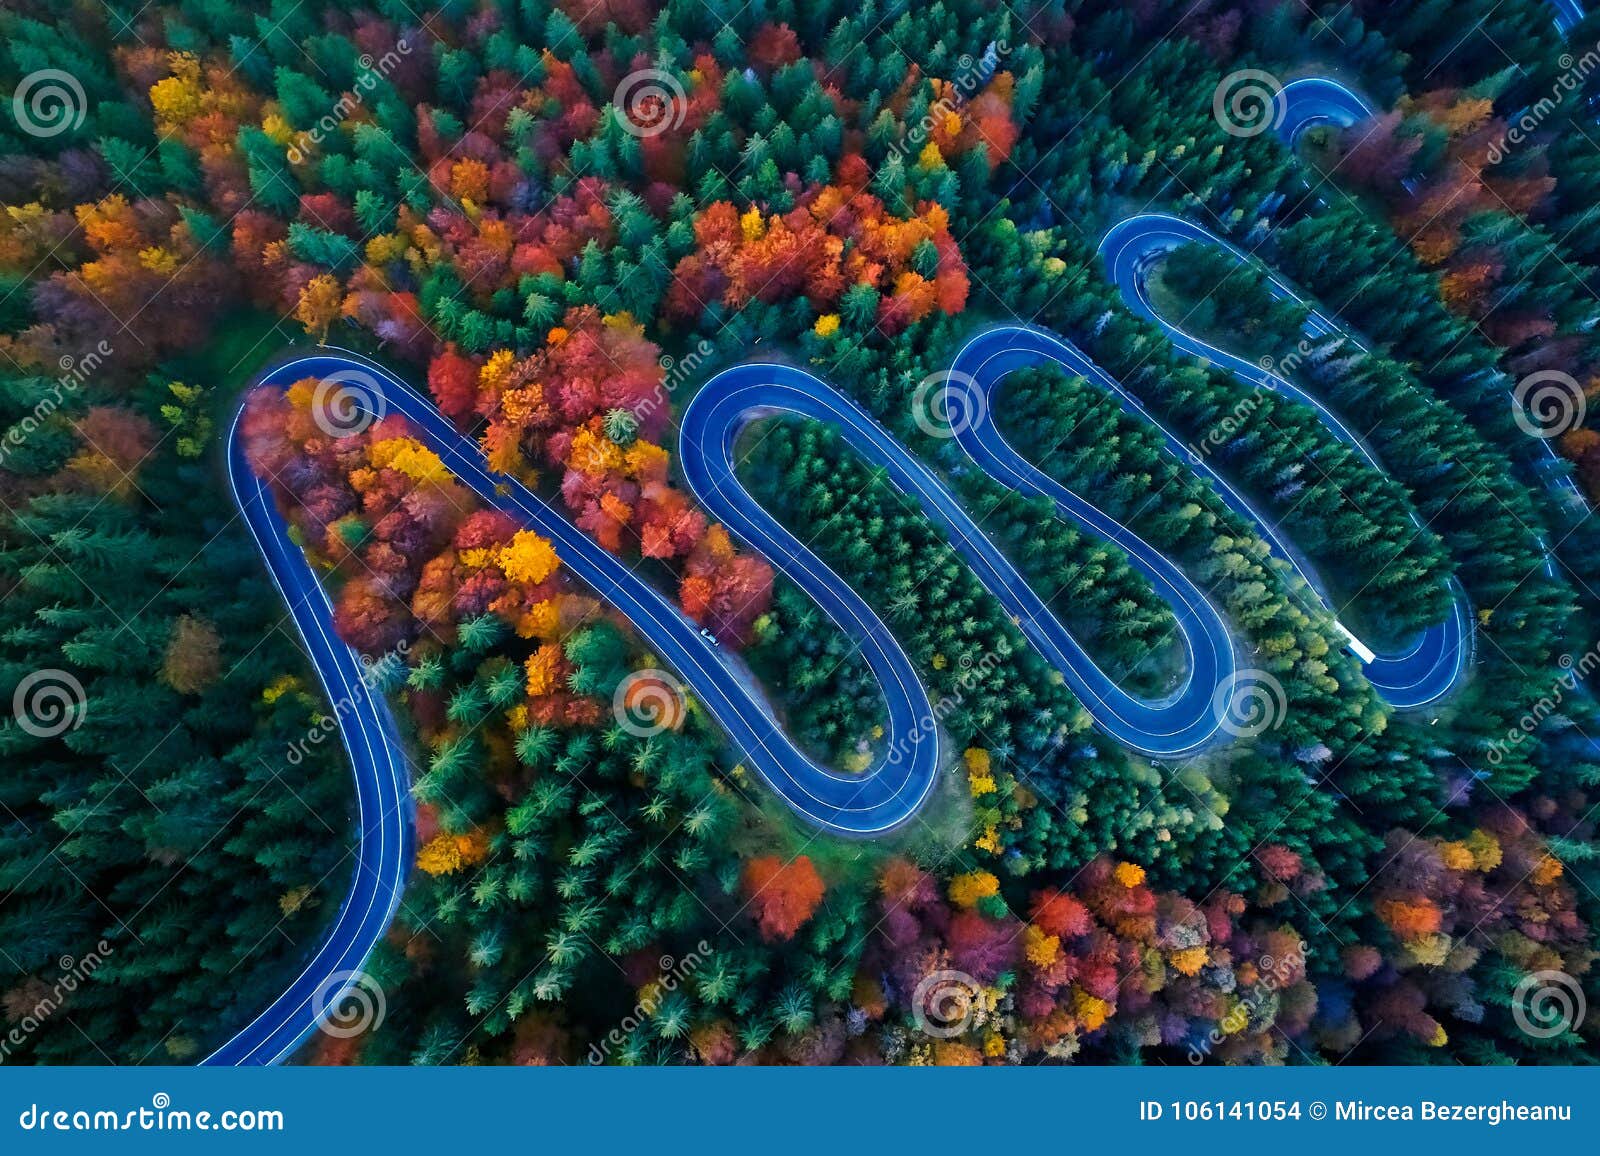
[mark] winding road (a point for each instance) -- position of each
(1430, 667)
(383, 786)
(1316, 100)
(868, 804)
(1180, 723)
(878, 801)
(890, 793)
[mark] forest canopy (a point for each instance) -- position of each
(558, 221)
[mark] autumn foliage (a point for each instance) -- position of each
(446, 854)
(837, 237)
(782, 895)
(417, 558)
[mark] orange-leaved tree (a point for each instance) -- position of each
(782, 895)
